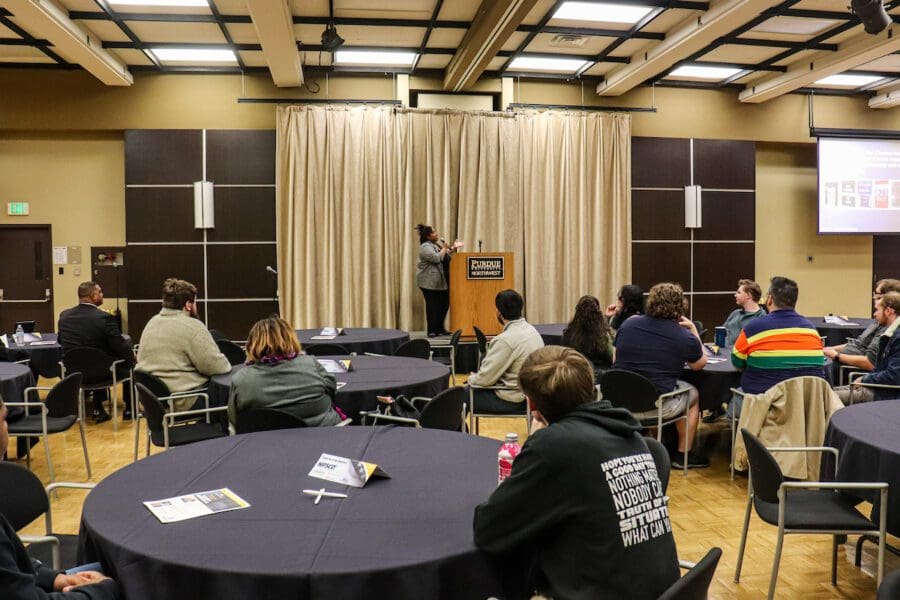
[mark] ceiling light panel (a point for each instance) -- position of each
(374, 58)
(703, 72)
(848, 81)
(601, 12)
(542, 64)
(194, 55)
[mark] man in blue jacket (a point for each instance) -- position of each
(887, 363)
(583, 509)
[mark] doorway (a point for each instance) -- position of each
(26, 277)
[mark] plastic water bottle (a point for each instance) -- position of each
(507, 454)
(20, 335)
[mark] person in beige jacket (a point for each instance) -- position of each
(177, 347)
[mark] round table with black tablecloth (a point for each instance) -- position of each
(359, 340)
(44, 357)
(837, 334)
(867, 437)
(551, 333)
(369, 376)
(405, 537)
(14, 378)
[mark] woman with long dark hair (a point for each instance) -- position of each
(432, 279)
(588, 333)
(629, 302)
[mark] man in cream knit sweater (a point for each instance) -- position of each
(177, 347)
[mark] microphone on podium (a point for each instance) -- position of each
(271, 270)
(479, 245)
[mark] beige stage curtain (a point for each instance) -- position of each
(576, 199)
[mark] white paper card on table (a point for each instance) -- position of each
(323, 337)
(334, 366)
(836, 320)
(191, 506)
(331, 331)
(341, 384)
(346, 471)
(4, 341)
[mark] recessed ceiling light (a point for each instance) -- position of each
(848, 81)
(188, 3)
(537, 63)
(601, 13)
(374, 57)
(702, 72)
(194, 55)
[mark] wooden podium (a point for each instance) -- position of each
(475, 280)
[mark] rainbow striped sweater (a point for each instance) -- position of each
(775, 347)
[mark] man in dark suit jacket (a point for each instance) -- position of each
(86, 326)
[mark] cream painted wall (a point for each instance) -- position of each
(76, 183)
(838, 280)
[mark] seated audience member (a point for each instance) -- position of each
(862, 352)
(177, 347)
(887, 361)
(278, 376)
(504, 357)
(777, 346)
(747, 298)
(560, 511)
(22, 578)
(657, 345)
(86, 326)
(588, 332)
(629, 302)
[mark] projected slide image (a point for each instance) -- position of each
(859, 186)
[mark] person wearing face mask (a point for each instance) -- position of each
(177, 347)
(432, 276)
(504, 357)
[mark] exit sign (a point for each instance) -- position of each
(17, 209)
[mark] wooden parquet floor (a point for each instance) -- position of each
(706, 509)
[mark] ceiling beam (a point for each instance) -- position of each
(45, 20)
(888, 98)
(274, 26)
(856, 51)
(492, 26)
(683, 41)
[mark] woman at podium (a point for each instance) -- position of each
(434, 260)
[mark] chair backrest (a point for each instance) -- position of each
(482, 341)
(419, 348)
(234, 353)
(152, 407)
(90, 362)
(890, 587)
(23, 499)
(325, 350)
(662, 460)
(765, 474)
(152, 383)
(445, 411)
(695, 583)
(454, 339)
(630, 390)
(266, 419)
(701, 330)
(62, 399)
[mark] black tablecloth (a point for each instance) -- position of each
(551, 333)
(14, 378)
(371, 376)
(868, 438)
(44, 358)
(838, 334)
(378, 341)
(406, 537)
(715, 380)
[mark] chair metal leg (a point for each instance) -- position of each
(114, 397)
(834, 554)
(733, 437)
(137, 432)
(28, 453)
(47, 451)
(87, 461)
(776, 562)
(740, 559)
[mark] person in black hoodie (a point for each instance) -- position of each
(584, 502)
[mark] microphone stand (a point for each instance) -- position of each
(118, 312)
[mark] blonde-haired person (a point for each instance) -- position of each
(277, 375)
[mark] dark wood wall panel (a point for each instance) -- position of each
(886, 257)
(725, 164)
(242, 156)
(160, 215)
(654, 263)
(243, 214)
(149, 266)
(141, 312)
(658, 215)
(235, 318)
(711, 310)
(163, 156)
(239, 271)
(728, 216)
(660, 162)
(717, 267)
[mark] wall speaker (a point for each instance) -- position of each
(204, 208)
(693, 207)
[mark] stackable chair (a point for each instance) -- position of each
(326, 350)
(854, 377)
(694, 585)
(482, 344)
(23, 500)
(811, 507)
(636, 393)
(437, 353)
(162, 393)
(61, 409)
(234, 353)
(266, 419)
(180, 427)
(419, 348)
(890, 587)
(95, 366)
(445, 411)
(474, 415)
